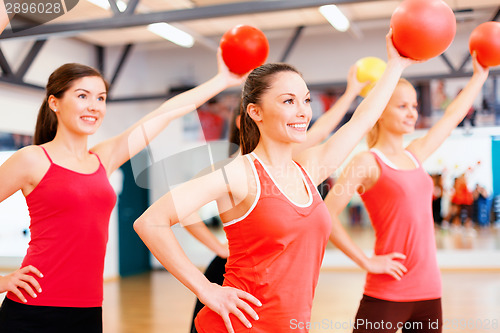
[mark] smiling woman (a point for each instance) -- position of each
(59, 286)
(272, 214)
(73, 92)
(403, 284)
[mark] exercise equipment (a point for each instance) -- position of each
(244, 48)
(422, 29)
(485, 40)
(369, 69)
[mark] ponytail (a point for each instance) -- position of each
(249, 132)
(46, 125)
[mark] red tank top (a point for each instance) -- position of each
(400, 209)
(276, 250)
(69, 230)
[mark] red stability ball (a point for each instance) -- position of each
(244, 48)
(423, 29)
(485, 40)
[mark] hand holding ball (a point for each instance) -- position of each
(244, 48)
(369, 69)
(423, 29)
(485, 40)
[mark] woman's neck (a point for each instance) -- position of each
(390, 143)
(274, 153)
(71, 143)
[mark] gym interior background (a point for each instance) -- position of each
(145, 69)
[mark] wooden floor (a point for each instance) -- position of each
(157, 303)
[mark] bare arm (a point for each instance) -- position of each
(325, 124)
(4, 19)
(15, 172)
(154, 229)
(15, 175)
(423, 147)
(355, 177)
(321, 161)
(200, 231)
(117, 150)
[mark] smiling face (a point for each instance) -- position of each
(82, 107)
(400, 115)
(284, 111)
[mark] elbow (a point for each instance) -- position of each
(140, 225)
(147, 224)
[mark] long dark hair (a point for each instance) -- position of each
(256, 84)
(59, 81)
(234, 132)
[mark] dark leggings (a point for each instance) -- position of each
(22, 318)
(215, 274)
(377, 315)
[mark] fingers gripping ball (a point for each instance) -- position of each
(485, 40)
(369, 69)
(244, 48)
(423, 29)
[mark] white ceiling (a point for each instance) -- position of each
(363, 15)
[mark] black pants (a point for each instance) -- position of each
(215, 274)
(436, 211)
(21, 318)
(377, 315)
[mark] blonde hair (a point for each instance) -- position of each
(372, 136)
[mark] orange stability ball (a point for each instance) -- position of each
(485, 40)
(423, 29)
(244, 48)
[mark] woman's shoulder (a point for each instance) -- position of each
(28, 164)
(364, 168)
(364, 158)
(238, 165)
(30, 156)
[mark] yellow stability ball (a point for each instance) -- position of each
(369, 69)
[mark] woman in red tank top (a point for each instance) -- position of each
(70, 199)
(403, 284)
(318, 132)
(268, 204)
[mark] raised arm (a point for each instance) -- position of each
(117, 150)
(154, 229)
(4, 19)
(423, 147)
(325, 124)
(356, 177)
(321, 161)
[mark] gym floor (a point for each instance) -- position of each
(156, 302)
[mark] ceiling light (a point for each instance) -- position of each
(336, 18)
(172, 34)
(105, 4)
